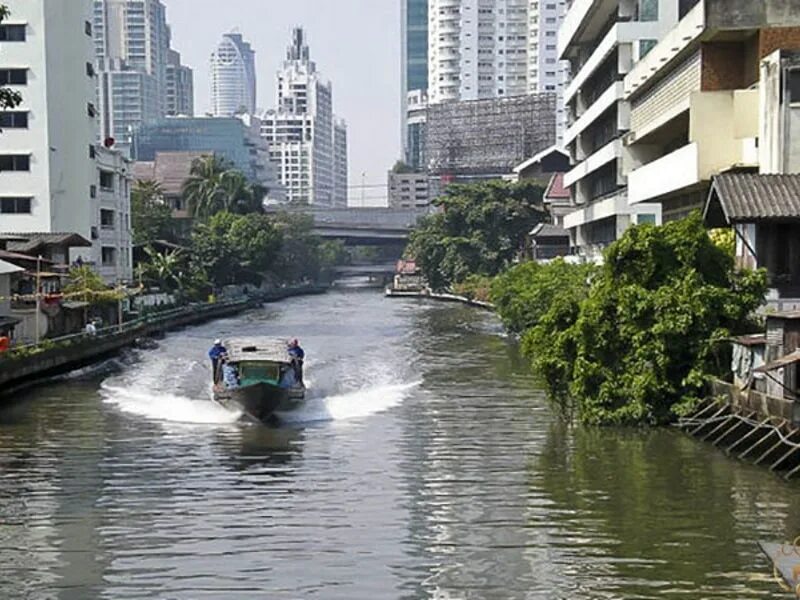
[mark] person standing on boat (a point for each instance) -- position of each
(298, 357)
(215, 354)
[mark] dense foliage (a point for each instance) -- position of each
(151, 218)
(635, 340)
(479, 230)
(215, 186)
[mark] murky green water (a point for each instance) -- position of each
(425, 466)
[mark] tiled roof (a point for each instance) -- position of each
(546, 230)
(556, 189)
(33, 241)
(742, 197)
(170, 169)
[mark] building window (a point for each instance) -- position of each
(92, 151)
(92, 191)
(12, 33)
(15, 206)
(15, 162)
(90, 69)
(13, 76)
(106, 218)
(109, 256)
(13, 120)
(645, 46)
(647, 10)
(91, 110)
(87, 28)
(107, 181)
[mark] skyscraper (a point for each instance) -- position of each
(233, 77)
(132, 45)
(306, 143)
(180, 87)
(414, 40)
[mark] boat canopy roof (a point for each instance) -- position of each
(258, 350)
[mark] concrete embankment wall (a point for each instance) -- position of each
(441, 298)
(23, 371)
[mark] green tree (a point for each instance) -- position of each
(151, 218)
(84, 283)
(480, 230)
(8, 98)
(649, 332)
(214, 186)
(236, 249)
(300, 255)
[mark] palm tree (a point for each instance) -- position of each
(202, 190)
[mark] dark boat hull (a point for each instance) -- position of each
(259, 401)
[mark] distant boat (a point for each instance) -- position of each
(261, 378)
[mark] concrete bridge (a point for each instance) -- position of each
(363, 226)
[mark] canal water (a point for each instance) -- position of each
(426, 465)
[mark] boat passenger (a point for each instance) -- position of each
(230, 375)
(215, 354)
(298, 358)
(288, 378)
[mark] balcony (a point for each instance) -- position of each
(723, 127)
(601, 105)
(662, 57)
(675, 171)
(602, 157)
(580, 15)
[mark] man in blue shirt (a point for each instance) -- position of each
(215, 354)
(298, 356)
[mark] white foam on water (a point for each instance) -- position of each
(357, 404)
(167, 407)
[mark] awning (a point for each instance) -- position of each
(6, 322)
(75, 305)
(787, 360)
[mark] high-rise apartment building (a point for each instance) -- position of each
(340, 169)
(603, 41)
(180, 87)
(132, 44)
(48, 157)
(233, 77)
(306, 144)
(481, 49)
(414, 69)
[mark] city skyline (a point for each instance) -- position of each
(339, 35)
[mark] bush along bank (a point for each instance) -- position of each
(637, 340)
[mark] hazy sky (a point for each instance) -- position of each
(355, 43)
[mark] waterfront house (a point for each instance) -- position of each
(408, 277)
(764, 211)
(546, 242)
(7, 322)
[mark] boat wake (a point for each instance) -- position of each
(167, 407)
(357, 404)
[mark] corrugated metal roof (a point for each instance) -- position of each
(751, 197)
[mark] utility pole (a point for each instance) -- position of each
(37, 296)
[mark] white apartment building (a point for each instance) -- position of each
(340, 169)
(546, 73)
(112, 255)
(301, 132)
(47, 164)
(179, 87)
(603, 40)
(487, 48)
(233, 77)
